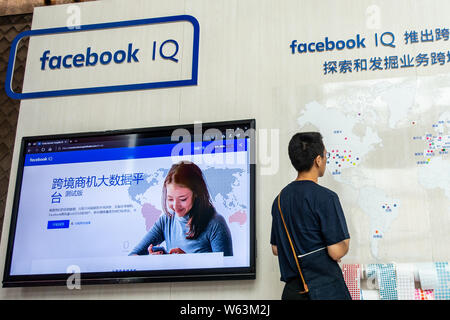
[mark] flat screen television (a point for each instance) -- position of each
(173, 203)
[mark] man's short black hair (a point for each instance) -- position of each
(304, 147)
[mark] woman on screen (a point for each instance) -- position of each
(190, 223)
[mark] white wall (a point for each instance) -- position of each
(245, 70)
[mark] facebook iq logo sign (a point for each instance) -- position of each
(109, 57)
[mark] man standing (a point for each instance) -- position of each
(309, 232)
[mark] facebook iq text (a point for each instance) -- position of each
(168, 50)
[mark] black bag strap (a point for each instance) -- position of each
(292, 247)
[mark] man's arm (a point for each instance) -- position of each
(334, 227)
(338, 250)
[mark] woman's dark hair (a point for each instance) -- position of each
(189, 175)
(304, 147)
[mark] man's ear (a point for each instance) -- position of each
(317, 161)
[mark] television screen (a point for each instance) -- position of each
(153, 204)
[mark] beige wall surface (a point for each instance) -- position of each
(246, 70)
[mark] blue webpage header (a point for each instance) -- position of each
(139, 152)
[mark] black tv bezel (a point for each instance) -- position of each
(229, 273)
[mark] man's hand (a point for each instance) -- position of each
(274, 250)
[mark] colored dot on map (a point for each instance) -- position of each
(413, 122)
(345, 138)
(376, 231)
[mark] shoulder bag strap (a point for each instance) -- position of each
(292, 247)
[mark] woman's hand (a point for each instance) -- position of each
(150, 250)
(176, 251)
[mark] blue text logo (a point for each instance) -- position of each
(327, 45)
(90, 58)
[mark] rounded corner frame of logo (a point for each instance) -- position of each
(104, 89)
